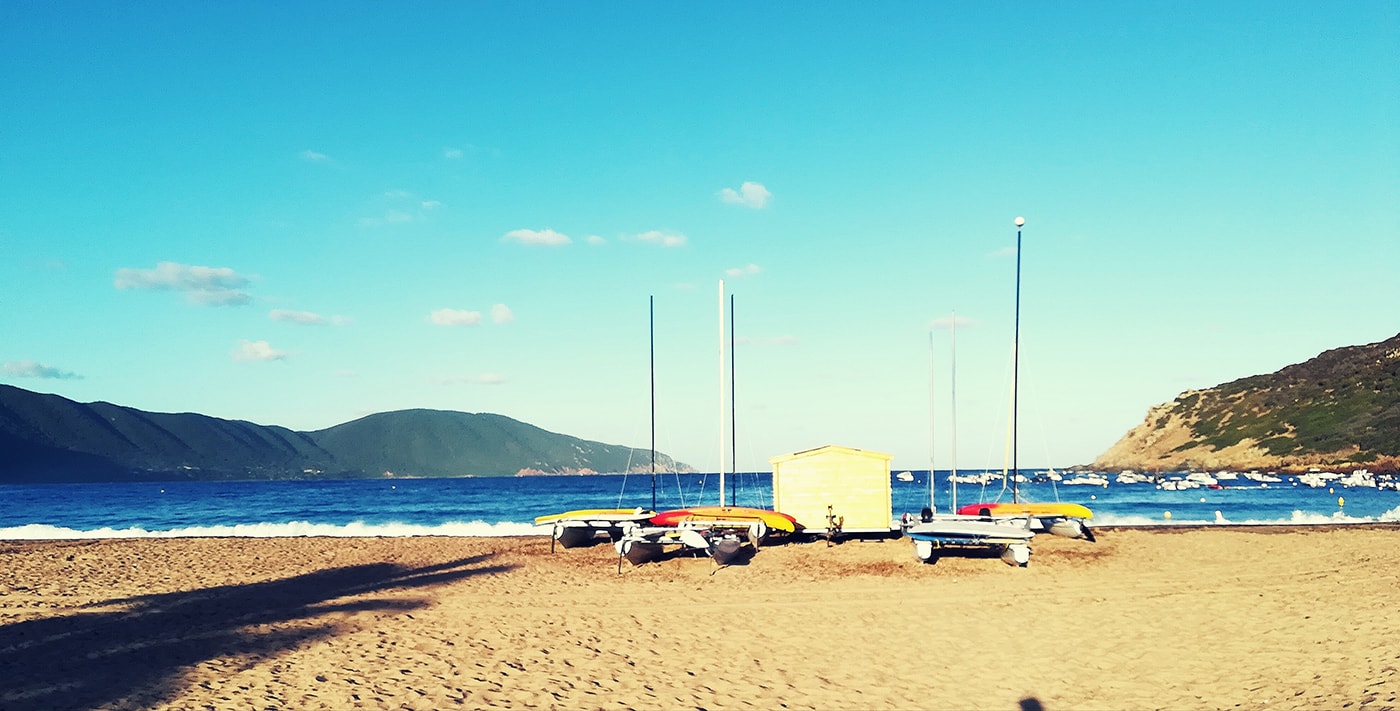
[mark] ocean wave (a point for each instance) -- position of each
(291, 529)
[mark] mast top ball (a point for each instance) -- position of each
(1020, 221)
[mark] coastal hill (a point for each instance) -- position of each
(1339, 409)
(47, 438)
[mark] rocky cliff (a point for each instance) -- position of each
(1340, 409)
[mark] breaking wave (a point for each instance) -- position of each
(293, 529)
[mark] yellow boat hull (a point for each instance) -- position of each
(1024, 508)
(601, 516)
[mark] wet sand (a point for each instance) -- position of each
(1145, 618)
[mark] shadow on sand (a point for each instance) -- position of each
(137, 655)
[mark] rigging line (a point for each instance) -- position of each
(734, 426)
(931, 417)
(651, 342)
(953, 399)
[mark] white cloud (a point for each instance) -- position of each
(314, 157)
(1008, 251)
(750, 194)
(766, 340)
(210, 286)
(453, 153)
(430, 204)
(737, 272)
(596, 241)
(482, 379)
(665, 239)
(251, 351)
(35, 369)
(544, 237)
(306, 318)
(500, 313)
(455, 317)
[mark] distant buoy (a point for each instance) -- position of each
(1340, 501)
(1203, 499)
(1330, 490)
(1093, 497)
(1167, 515)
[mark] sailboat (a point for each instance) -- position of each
(731, 532)
(573, 529)
(1061, 519)
(932, 532)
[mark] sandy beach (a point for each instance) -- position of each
(1163, 618)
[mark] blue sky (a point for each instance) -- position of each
(302, 213)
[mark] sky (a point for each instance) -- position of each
(299, 214)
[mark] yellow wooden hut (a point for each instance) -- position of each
(832, 482)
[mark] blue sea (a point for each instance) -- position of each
(507, 506)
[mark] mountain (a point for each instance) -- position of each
(439, 443)
(1340, 409)
(47, 438)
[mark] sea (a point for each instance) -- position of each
(507, 506)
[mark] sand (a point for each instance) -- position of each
(1166, 618)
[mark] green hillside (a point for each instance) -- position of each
(1339, 409)
(47, 438)
(439, 443)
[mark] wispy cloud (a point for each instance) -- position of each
(453, 153)
(35, 369)
(943, 323)
(1007, 251)
(208, 286)
(737, 272)
(399, 207)
(481, 379)
(314, 157)
(750, 194)
(500, 313)
(255, 351)
(390, 217)
(546, 237)
(306, 318)
(766, 340)
(595, 240)
(455, 317)
(665, 239)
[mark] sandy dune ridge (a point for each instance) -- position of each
(1217, 617)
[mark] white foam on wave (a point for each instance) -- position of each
(1298, 518)
(292, 529)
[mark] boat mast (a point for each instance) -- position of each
(651, 341)
(721, 393)
(1015, 367)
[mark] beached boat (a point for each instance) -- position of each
(573, 529)
(1069, 517)
(933, 532)
(728, 534)
(1005, 536)
(732, 517)
(582, 527)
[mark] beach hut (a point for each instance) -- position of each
(831, 482)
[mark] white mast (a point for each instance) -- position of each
(722, 408)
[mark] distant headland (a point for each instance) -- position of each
(48, 438)
(1340, 409)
